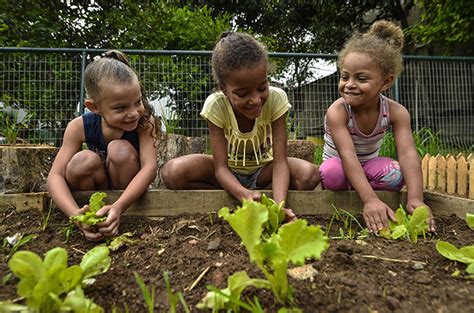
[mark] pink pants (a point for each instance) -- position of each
(382, 173)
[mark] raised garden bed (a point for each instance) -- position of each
(368, 275)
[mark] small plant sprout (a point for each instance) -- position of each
(148, 294)
(348, 221)
(95, 204)
(408, 226)
(16, 241)
(464, 255)
(174, 297)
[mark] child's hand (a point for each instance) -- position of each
(252, 195)
(290, 216)
(413, 204)
(375, 215)
(109, 227)
(89, 231)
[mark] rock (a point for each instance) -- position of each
(304, 272)
(218, 279)
(301, 149)
(214, 244)
(393, 303)
(170, 146)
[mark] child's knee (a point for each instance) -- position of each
(309, 178)
(169, 174)
(121, 152)
(384, 174)
(332, 175)
(84, 163)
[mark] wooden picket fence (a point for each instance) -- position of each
(449, 174)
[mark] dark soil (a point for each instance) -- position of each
(347, 280)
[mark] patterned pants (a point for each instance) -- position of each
(381, 172)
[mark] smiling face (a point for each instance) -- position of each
(247, 91)
(120, 105)
(361, 80)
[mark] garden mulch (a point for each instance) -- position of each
(367, 275)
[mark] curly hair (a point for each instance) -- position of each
(383, 42)
(114, 67)
(234, 51)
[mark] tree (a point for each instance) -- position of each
(444, 25)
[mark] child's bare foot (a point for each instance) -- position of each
(289, 215)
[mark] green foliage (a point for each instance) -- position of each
(443, 22)
(120, 241)
(293, 242)
(17, 241)
(470, 220)
(174, 297)
(90, 217)
(426, 142)
(148, 295)
(49, 285)
(10, 125)
(408, 226)
(464, 255)
(348, 220)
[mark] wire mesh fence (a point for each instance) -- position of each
(43, 90)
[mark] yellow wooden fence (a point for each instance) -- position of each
(449, 174)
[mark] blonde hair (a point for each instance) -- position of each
(383, 42)
(235, 51)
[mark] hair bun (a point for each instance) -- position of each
(388, 31)
(117, 55)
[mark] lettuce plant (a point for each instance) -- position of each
(95, 204)
(293, 242)
(49, 285)
(408, 226)
(470, 220)
(464, 255)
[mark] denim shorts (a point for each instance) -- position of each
(248, 181)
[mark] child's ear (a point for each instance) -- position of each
(91, 105)
(388, 82)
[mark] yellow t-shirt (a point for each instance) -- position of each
(247, 152)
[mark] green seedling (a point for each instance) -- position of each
(228, 299)
(348, 220)
(293, 242)
(46, 219)
(68, 232)
(171, 122)
(148, 294)
(124, 239)
(470, 220)
(49, 285)
(464, 255)
(17, 241)
(10, 125)
(408, 226)
(174, 297)
(90, 217)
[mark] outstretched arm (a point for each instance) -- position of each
(280, 171)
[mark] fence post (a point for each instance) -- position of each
(441, 173)
(432, 173)
(424, 169)
(451, 175)
(462, 176)
(470, 160)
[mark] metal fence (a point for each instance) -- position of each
(43, 89)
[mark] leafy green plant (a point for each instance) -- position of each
(10, 125)
(121, 240)
(408, 226)
(90, 217)
(172, 121)
(464, 255)
(49, 285)
(17, 241)
(293, 127)
(470, 220)
(293, 242)
(348, 221)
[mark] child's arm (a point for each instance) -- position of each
(375, 211)
(280, 172)
(408, 158)
(58, 188)
(137, 186)
(222, 171)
